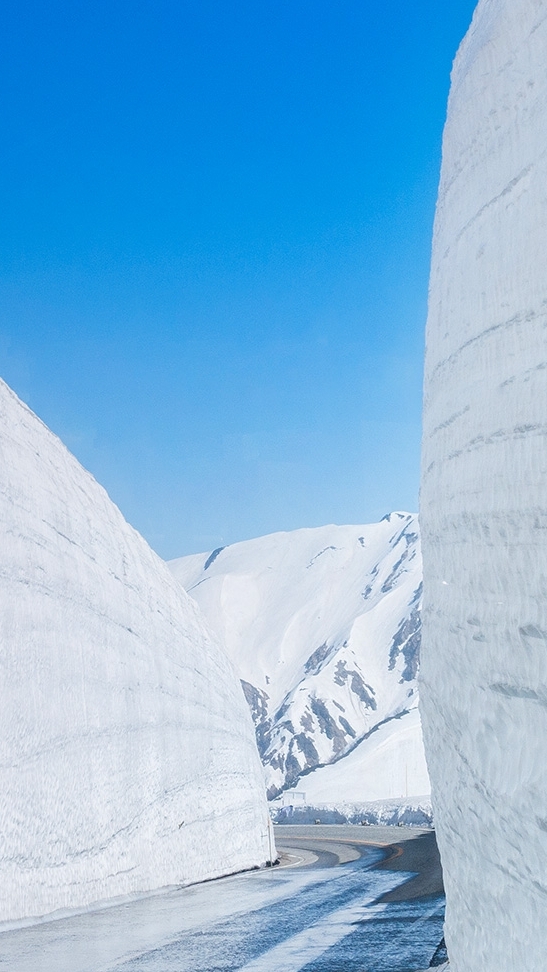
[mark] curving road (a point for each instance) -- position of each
(345, 899)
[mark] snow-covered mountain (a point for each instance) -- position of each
(323, 626)
(483, 496)
(127, 754)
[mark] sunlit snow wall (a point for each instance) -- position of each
(127, 752)
(484, 496)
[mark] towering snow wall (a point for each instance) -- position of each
(484, 496)
(127, 753)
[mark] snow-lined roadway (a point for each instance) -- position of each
(344, 899)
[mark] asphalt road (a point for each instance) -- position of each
(406, 849)
(345, 899)
(410, 851)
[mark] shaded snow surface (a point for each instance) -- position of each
(483, 496)
(323, 626)
(128, 760)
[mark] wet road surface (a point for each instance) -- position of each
(346, 899)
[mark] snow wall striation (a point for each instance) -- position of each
(128, 760)
(484, 498)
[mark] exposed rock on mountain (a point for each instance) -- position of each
(323, 626)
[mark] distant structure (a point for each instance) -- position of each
(293, 798)
(484, 496)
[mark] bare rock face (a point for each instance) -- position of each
(127, 753)
(484, 496)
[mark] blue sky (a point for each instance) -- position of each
(214, 247)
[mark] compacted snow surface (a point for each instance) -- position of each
(323, 627)
(127, 754)
(483, 499)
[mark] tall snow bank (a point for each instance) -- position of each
(484, 500)
(387, 764)
(127, 754)
(409, 812)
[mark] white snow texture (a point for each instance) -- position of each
(323, 627)
(412, 812)
(127, 754)
(484, 501)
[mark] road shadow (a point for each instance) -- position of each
(420, 855)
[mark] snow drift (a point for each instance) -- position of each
(323, 627)
(484, 505)
(411, 812)
(127, 755)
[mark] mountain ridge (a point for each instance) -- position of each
(323, 626)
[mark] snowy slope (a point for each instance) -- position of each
(127, 755)
(323, 626)
(390, 763)
(484, 508)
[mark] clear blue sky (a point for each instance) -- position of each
(214, 246)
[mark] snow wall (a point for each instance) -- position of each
(410, 812)
(484, 496)
(127, 752)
